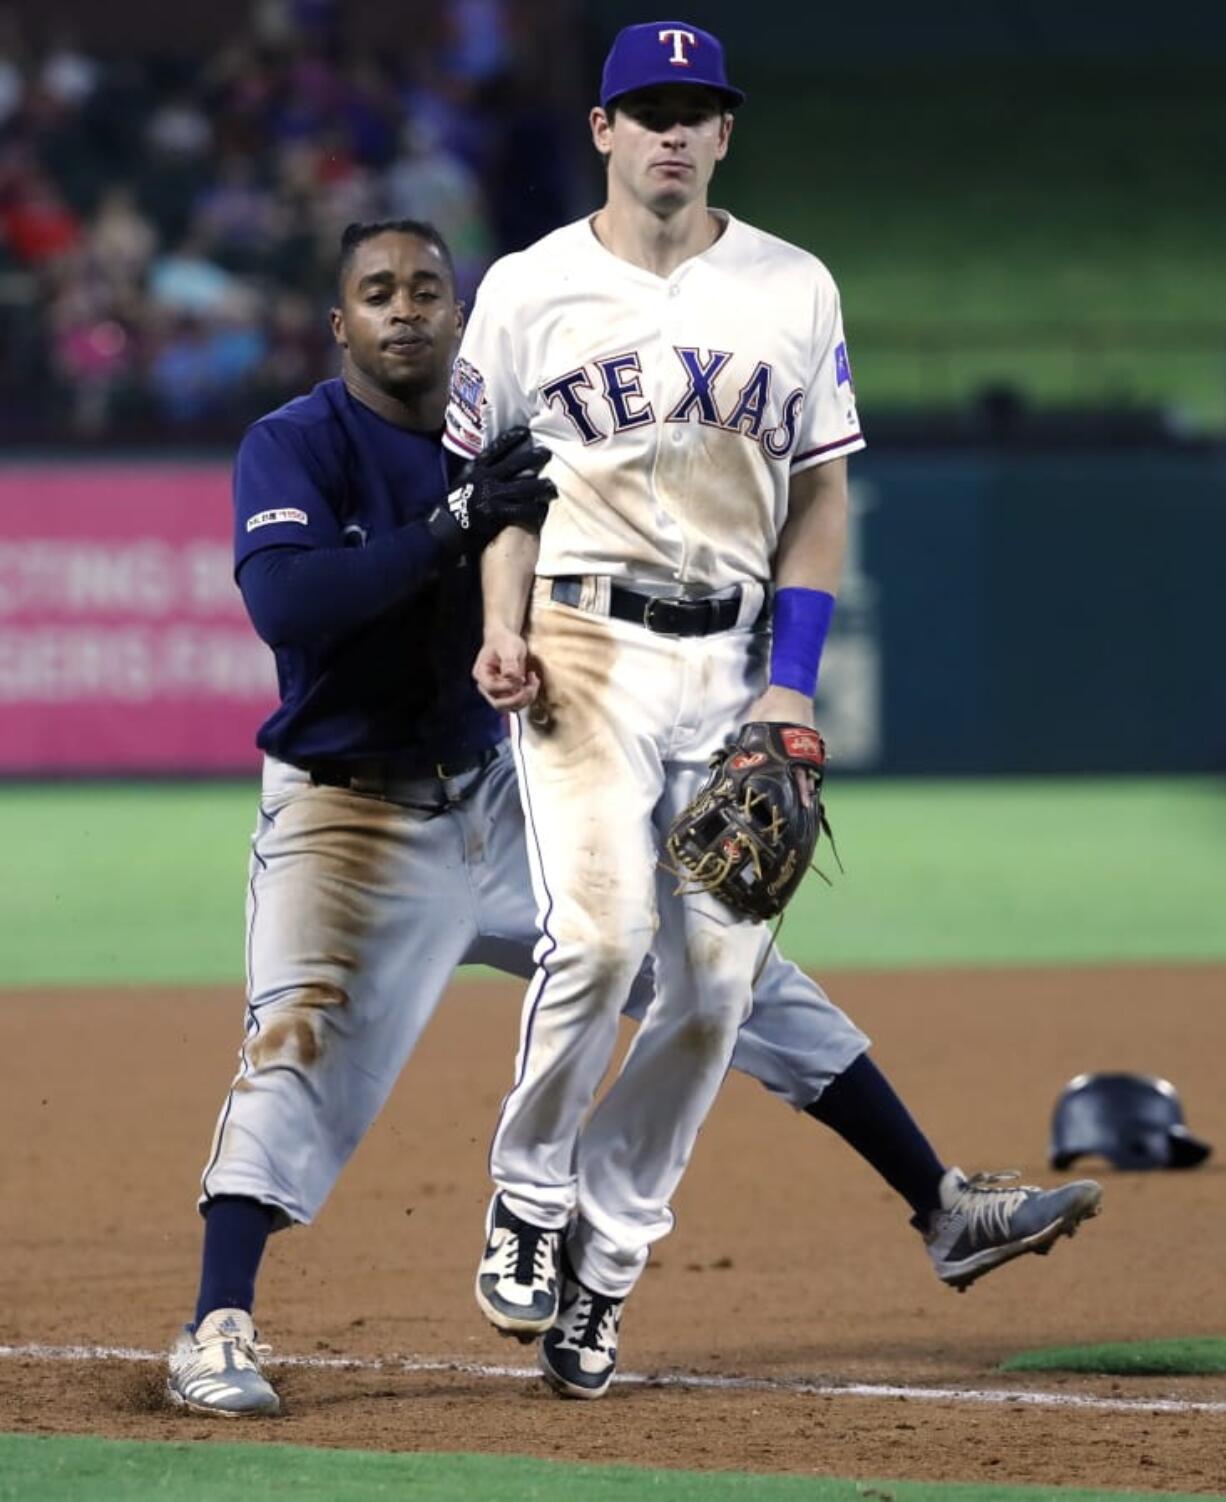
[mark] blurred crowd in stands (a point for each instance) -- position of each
(169, 226)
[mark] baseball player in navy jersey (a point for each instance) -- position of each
(389, 843)
(690, 376)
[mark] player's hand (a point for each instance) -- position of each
(787, 705)
(514, 452)
(501, 487)
(503, 673)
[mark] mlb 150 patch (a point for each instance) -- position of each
(281, 514)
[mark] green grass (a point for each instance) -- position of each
(1034, 871)
(91, 1470)
(1199, 1356)
(1059, 229)
(126, 882)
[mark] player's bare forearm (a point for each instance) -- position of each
(814, 537)
(810, 556)
(502, 671)
(507, 569)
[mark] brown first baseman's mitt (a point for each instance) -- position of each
(749, 834)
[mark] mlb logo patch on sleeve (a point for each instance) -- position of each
(281, 514)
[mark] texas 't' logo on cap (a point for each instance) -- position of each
(680, 39)
(663, 52)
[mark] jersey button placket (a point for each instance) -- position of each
(670, 318)
(674, 291)
(663, 519)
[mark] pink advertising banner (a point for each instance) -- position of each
(124, 646)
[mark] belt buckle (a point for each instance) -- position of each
(665, 604)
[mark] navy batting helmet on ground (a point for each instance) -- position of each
(1132, 1120)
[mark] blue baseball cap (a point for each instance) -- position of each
(660, 52)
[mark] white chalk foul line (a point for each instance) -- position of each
(1035, 1398)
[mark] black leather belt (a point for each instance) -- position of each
(670, 616)
(379, 774)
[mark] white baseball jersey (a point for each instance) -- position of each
(676, 408)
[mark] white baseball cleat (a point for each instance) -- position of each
(987, 1220)
(517, 1279)
(216, 1368)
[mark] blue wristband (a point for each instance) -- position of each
(800, 622)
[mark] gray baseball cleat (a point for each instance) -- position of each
(517, 1278)
(215, 1368)
(578, 1354)
(987, 1220)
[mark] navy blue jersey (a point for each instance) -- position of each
(374, 632)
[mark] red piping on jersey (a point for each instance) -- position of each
(826, 447)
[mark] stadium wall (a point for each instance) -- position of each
(1001, 613)
(1044, 612)
(123, 643)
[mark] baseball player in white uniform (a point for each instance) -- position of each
(690, 376)
(390, 841)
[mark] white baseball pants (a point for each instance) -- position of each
(358, 912)
(619, 745)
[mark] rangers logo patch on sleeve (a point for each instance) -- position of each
(281, 514)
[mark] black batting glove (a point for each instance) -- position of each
(501, 487)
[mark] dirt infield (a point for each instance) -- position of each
(790, 1260)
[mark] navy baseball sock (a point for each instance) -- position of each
(863, 1108)
(235, 1232)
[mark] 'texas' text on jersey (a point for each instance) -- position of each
(677, 408)
(618, 380)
